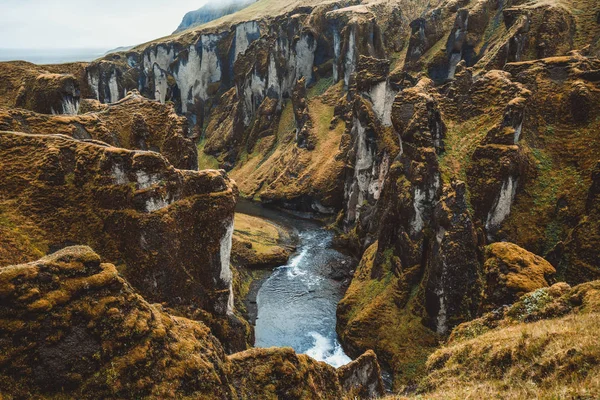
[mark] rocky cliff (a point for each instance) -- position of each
(132, 123)
(169, 230)
(71, 326)
(40, 89)
(455, 142)
(491, 130)
(210, 12)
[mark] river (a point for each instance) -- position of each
(297, 302)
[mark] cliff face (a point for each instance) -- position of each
(36, 88)
(133, 123)
(491, 130)
(169, 230)
(432, 130)
(72, 326)
(211, 12)
(234, 79)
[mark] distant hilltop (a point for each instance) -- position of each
(211, 11)
(119, 49)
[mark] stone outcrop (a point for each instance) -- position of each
(70, 325)
(426, 263)
(302, 116)
(487, 35)
(498, 164)
(365, 369)
(510, 272)
(133, 123)
(169, 230)
(35, 88)
(453, 270)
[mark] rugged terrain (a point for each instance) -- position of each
(72, 326)
(210, 12)
(453, 144)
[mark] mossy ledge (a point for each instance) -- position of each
(72, 326)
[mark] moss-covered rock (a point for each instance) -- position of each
(133, 123)
(510, 272)
(71, 326)
(38, 89)
(168, 230)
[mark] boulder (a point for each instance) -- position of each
(168, 230)
(362, 377)
(511, 271)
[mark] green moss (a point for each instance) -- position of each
(462, 138)
(369, 318)
(206, 161)
(319, 87)
(287, 121)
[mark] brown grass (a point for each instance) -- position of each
(259, 242)
(288, 171)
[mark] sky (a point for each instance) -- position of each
(100, 24)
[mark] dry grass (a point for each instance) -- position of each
(556, 355)
(287, 171)
(21, 238)
(258, 242)
(552, 359)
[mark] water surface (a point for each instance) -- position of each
(297, 303)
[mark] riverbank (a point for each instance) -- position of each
(259, 245)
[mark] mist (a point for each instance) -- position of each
(87, 24)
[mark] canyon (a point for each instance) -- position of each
(448, 149)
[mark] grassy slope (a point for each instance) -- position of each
(556, 356)
(259, 241)
(286, 171)
(400, 340)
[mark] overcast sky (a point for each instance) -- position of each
(103, 24)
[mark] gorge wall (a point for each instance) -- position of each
(448, 140)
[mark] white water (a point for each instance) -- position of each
(327, 350)
(297, 303)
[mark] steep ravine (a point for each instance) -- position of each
(454, 142)
(296, 303)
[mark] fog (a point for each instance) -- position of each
(79, 24)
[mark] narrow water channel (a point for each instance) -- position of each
(297, 303)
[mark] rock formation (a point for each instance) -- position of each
(34, 88)
(454, 142)
(169, 230)
(510, 272)
(133, 123)
(70, 325)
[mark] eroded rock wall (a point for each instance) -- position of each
(72, 326)
(169, 230)
(133, 123)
